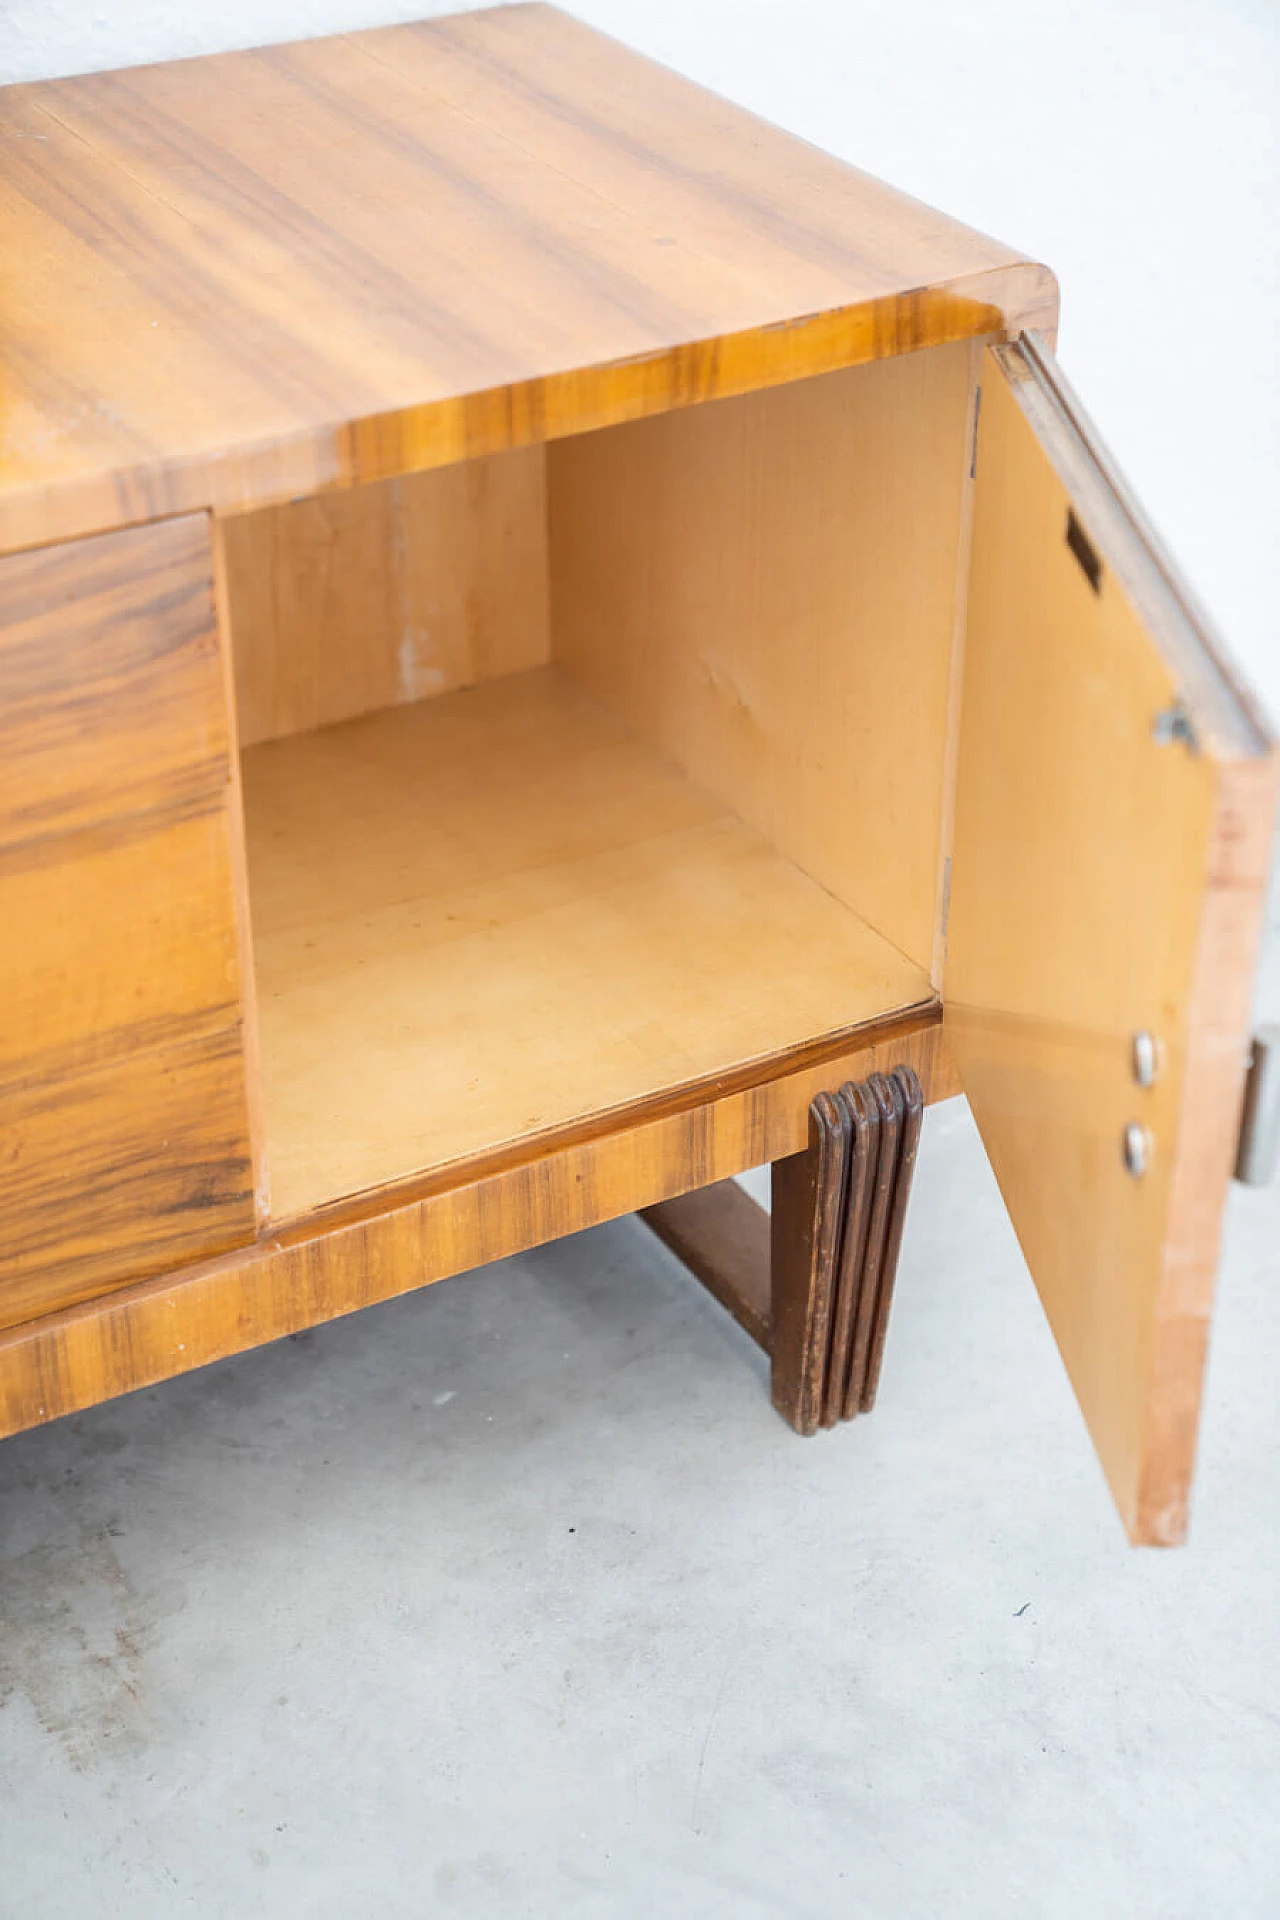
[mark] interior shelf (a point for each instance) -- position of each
(497, 911)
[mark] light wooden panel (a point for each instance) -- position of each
(468, 1215)
(1106, 883)
(497, 912)
(766, 589)
(237, 280)
(124, 1138)
(389, 593)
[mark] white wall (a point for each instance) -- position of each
(1130, 143)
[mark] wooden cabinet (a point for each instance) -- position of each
(545, 629)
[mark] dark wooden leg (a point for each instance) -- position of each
(813, 1282)
(907, 1085)
(885, 1098)
(864, 1114)
(723, 1238)
(810, 1191)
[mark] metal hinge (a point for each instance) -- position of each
(1174, 724)
(1259, 1147)
(973, 453)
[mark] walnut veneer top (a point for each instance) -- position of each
(235, 279)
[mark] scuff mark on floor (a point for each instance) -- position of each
(71, 1642)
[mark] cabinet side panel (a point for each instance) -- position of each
(108, 655)
(351, 602)
(766, 588)
(126, 1170)
(122, 1077)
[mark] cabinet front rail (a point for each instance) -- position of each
(332, 1263)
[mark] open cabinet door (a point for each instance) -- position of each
(1114, 809)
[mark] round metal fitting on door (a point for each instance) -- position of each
(1146, 1059)
(1136, 1147)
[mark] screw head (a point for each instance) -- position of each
(1136, 1147)
(1146, 1059)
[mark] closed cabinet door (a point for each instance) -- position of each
(1115, 802)
(124, 1113)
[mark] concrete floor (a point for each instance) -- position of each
(513, 1598)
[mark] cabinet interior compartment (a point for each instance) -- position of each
(584, 771)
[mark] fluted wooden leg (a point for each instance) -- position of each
(813, 1281)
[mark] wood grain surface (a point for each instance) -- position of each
(809, 1192)
(722, 1235)
(498, 912)
(387, 594)
(344, 1259)
(766, 589)
(861, 1397)
(864, 1157)
(1109, 879)
(237, 280)
(123, 1115)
